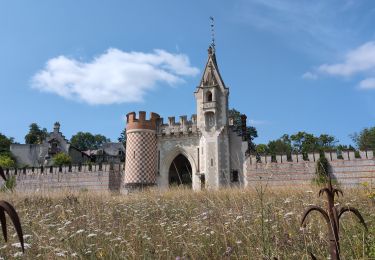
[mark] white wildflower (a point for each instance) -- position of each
(18, 245)
(91, 235)
(288, 214)
(60, 254)
(80, 231)
(18, 254)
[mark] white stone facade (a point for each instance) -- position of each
(204, 148)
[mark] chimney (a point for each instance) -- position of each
(56, 127)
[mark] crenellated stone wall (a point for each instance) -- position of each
(97, 177)
(348, 171)
(184, 126)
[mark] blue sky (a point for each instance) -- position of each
(290, 65)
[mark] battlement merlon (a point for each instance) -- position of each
(141, 123)
(184, 126)
(346, 155)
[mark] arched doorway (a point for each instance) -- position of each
(180, 172)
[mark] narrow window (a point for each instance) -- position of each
(235, 176)
(212, 162)
(209, 96)
(134, 154)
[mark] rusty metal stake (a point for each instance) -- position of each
(332, 216)
(6, 207)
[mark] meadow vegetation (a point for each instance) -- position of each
(233, 223)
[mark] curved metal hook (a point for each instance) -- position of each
(2, 174)
(315, 208)
(355, 212)
(8, 208)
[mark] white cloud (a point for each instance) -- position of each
(112, 77)
(359, 62)
(309, 75)
(368, 83)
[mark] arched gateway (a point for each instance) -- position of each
(180, 172)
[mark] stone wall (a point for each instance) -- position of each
(96, 177)
(348, 171)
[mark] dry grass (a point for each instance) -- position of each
(230, 223)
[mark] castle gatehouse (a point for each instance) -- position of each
(203, 151)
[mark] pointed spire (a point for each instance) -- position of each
(212, 46)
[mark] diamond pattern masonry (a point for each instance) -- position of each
(141, 158)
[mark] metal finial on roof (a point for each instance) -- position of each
(212, 45)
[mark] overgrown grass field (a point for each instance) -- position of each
(182, 224)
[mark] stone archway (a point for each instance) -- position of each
(180, 172)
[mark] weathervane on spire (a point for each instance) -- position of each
(212, 33)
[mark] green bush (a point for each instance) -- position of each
(6, 161)
(9, 184)
(61, 159)
(321, 171)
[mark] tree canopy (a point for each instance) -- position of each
(300, 142)
(122, 138)
(5, 143)
(87, 141)
(35, 134)
(6, 159)
(365, 139)
(251, 131)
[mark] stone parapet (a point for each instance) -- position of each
(132, 122)
(184, 126)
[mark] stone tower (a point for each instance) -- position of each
(141, 150)
(212, 119)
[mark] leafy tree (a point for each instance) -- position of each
(5, 143)
(122, 138)
(251, 131)
(342, 147)
(6, 161)
(301, 142)
(87, 141)
(327, 142)
(61, 159)
(280, 146)
(262, 149)
(365, 140)
(304, 142)
(35, 134)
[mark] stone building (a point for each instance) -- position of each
(203, 152)
(108, 153)
(41, 154)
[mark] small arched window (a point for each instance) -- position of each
(208, 96)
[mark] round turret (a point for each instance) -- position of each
(141, 150)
